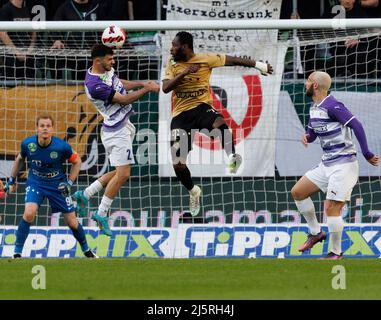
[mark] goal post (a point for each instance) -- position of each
(249, 214)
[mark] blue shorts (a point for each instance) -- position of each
(36, 193)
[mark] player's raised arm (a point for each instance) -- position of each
(133, 96)
(10, 186)
(264, 68)
(129, 85)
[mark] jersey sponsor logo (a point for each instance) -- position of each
(48, 175)
(32, 147)
(53, 155)
(320, 129)
(37, 163)
(190, 94)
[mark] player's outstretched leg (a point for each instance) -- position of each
(82, 197)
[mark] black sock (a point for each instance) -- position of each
(227, 140)
(184, 176)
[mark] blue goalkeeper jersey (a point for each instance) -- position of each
(46, 164)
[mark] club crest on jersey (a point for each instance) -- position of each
(53, 155)
(106, 78)
(32, 147)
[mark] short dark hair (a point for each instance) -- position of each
(185, 38)
(100, 50)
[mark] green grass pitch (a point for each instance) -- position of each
(145, 279)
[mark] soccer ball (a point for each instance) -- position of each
(113, 36)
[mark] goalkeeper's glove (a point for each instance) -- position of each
(10, 184)
(65, 187)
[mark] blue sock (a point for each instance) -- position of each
(79, 234)
(21, 235)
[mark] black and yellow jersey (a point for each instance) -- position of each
(195, 88)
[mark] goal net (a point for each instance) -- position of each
(247, 214)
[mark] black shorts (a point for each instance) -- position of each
(184, 126)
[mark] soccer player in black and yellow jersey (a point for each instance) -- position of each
(187, 74)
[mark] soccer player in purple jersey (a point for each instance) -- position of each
(110, 96)
(338, 172)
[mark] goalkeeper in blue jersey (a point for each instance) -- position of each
(45, 155)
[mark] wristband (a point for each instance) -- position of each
(261, 66)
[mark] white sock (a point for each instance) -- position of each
(105, 205)
(307, 209)
(92, 189)
(335, 228)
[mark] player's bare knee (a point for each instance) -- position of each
(122, 176)
(105, 179)
(72, 223)
(29, 215)
(297, 194)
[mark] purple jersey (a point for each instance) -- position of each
(100, 89)
(329, 121)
